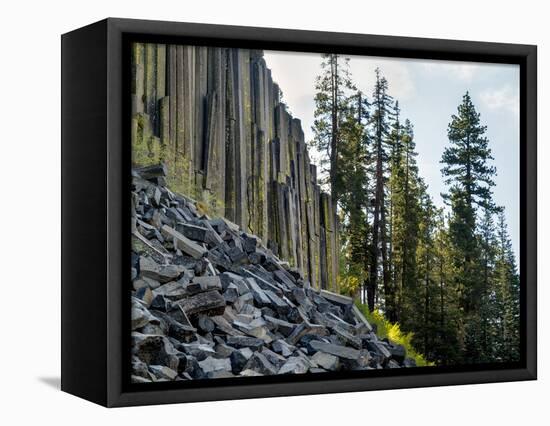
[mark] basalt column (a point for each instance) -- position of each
(214, 116)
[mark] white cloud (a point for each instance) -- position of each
(505, 98)
(396, 71)
(295, 73)
(464, 71)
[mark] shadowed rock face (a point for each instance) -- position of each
(210, 301)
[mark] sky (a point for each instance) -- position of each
(429, 92)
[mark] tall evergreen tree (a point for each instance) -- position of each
(446, 346)
(331, 105)
(467, 158)
(507, 294)
(487, 303)
(422, 303)
(354, 196)
(467, 171)
(381, 113)
(404, 196)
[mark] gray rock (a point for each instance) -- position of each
(231, 294)
(193, 232)
(283, 348)
(326, 361)
(285, 278)
(294, 365)
(207, 303)
(336, 350)
(189, 365)
(225, 327)
(178, 314)
(139, 368)
(359, 363)
(223, 351)
(183, 243)
(245, 299)
(398, 353)
(141, 316)
(378, 347)
(172, 290)
(256, 258)
(197, 350)
(277, 303)
(154, 171)
(161, 273)
(392, 364)
(205, 324)
(250, 373)
(202, 284)
(254, 329)
(238, 360)
(409, 362)
(237, 256)
(284, 327)
(347, 338)
(229, 278)
(245, 342)
(274, 358)
(145, 282)
(179, 331)
(304, 329)
(154, 350)
(145, 294)
(163, 372)
(260, 297)
(159, 303)
(259, 363)
(249, 243)
(220, 374)
(139, 379)
(211, 364)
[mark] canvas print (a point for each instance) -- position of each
(300, 213)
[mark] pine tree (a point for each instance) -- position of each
(467, 172)
(378, 248)
(395, 166)
(404, 196)
(445, 346)
(487, 303)
(331, 105)
(470, 176)
(353, 196)
(507, 294)
(421, 307)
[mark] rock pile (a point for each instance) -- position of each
(210, 301)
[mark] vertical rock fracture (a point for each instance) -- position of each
(215, 117)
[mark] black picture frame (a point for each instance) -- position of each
(95, 241)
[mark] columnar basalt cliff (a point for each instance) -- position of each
(215, 117)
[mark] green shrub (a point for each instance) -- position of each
(393, 332)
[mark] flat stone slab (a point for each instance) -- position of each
(201, 284)
(209, 303)
(336, 350)
(183, 243)
(161, 273)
